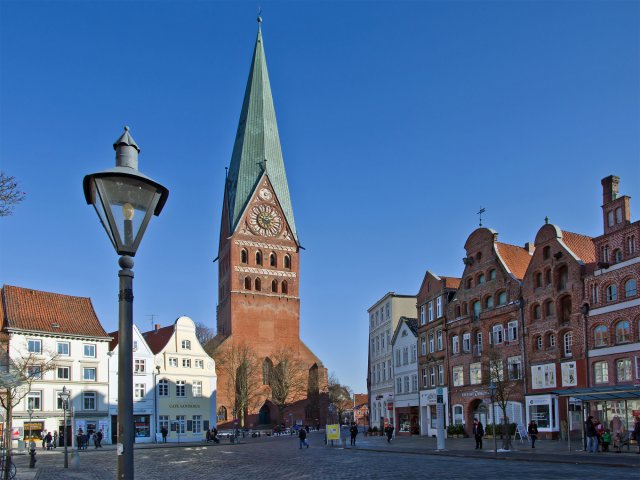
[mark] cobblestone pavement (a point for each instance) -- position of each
(280, 458)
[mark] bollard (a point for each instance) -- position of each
(32, 454)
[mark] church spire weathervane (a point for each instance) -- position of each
(480, 212)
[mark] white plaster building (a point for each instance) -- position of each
(64, 345)
(404, 344)
(144, 396)
(383, 319)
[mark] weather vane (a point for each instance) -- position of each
(480, 212)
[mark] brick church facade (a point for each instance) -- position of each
(259, 267)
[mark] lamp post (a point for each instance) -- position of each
(30, 412)
(64, 397)
(125, 200)
(492, 392)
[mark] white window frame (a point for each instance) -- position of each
(458, 376)
(432, 375)
(181, 424)
(163, 388)
(475, 373)
(139, 365)
(89, 396)
(497, 334)
(439, 306)
(196, 424)
(423, 346)
(439, 344)
(90, 346)
(512, 330)
(34, 400)
(430, 311)
(86, 370)
(34, 345)
(423, 318)
(61, 344)
(139, 390)
(63, 368)
(196, 388)
(173, 362)
(440, 374)
(432, 343)
(567, 343)
(186, 363)
(466, 342)
(455, 345)
(186, 344)
(181, 388)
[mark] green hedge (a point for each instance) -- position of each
(500, 429)
(455, 429)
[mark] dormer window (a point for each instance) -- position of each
(186, 344)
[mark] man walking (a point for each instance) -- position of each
(354, 433)
(389, 431)
(302, 436)
(592, 435)
(478, 433)
(164, 433)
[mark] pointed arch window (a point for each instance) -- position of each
(274, 286)
(284, 287)
(273, 260)
(222, 414)
(287, 262)
(601, 336)
(243, 256)
(267, 368)
(258, 257)
(247, 283)
(258, 284)
(623, 331)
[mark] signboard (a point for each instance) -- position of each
(333, 432)
(522, 431)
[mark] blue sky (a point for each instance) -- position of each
(398, 120)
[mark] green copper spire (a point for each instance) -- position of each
(257, 146)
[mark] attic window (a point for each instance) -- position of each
(55, 325)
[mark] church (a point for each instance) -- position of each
(266, 375)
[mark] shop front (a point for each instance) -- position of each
(428, 411)
(543, 409)
(407, 421)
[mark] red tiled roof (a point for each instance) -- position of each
(33, 310)
(361, 399)
(451, 282)
(114, 341)
(515, 258)
(158, 339)
(581, 245)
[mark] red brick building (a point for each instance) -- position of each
(361, 409)
(614, 312)
(555, 340)
(259, 259)
(485, 314)
(432, 302)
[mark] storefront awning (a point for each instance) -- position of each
(618, 392)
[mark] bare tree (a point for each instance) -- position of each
(288, 380)
(10, 194)
(17, 376)
(204, 334)
(339, 395)
(504, 389)
(238, 365)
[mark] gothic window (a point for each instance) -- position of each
(247, 283)
(618, 215)
(492, 274)
(564, 306)
(539, 343)
(536, 312)
(284, 287)
(610, 218)
(258, 285)
(630, 288)
(488, 302)
(552, 340)
(222, 414)
(563, 277)
(273, 261)
(274, 286)
(617, 255)
(612, 293)
(287, 262)
(480, 279)
(258, 257)
(538, 279)
(546, 252)
(623, 331)
(547, 276)
(502, 298)
(567, 343)
(601, 336)
(243, 256)
(476, 310)
(267, 367)
(549, 309)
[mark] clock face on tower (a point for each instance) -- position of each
(265, 220)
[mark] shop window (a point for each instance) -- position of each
(601, 372)
(623, 370)
(458, 415)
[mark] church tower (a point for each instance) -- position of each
(259, 249)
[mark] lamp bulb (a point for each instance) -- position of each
(127, 211)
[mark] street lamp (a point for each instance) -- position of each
(492, 392)
(30, 412)
(64, 397)
(125, 200)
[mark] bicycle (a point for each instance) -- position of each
(11, 467)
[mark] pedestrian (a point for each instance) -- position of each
(208, 435)
(478, 433)
(214, 435)
(55, 439)
(99, 436)
(43, 434)
(164, 433)
(532, 430)
(606, 440)
(635, 434)
(80, 438)
(48, 439)
(389, 430)
(354, 433)
(61, 438)
(302, 436)
(592, 435)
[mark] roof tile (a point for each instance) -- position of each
(515, 258)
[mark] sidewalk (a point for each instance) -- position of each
(553, 451)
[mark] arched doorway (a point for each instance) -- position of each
(264, 417)
(479, 409)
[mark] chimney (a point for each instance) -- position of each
(529, 247)
(609, 189)
(157, 327)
